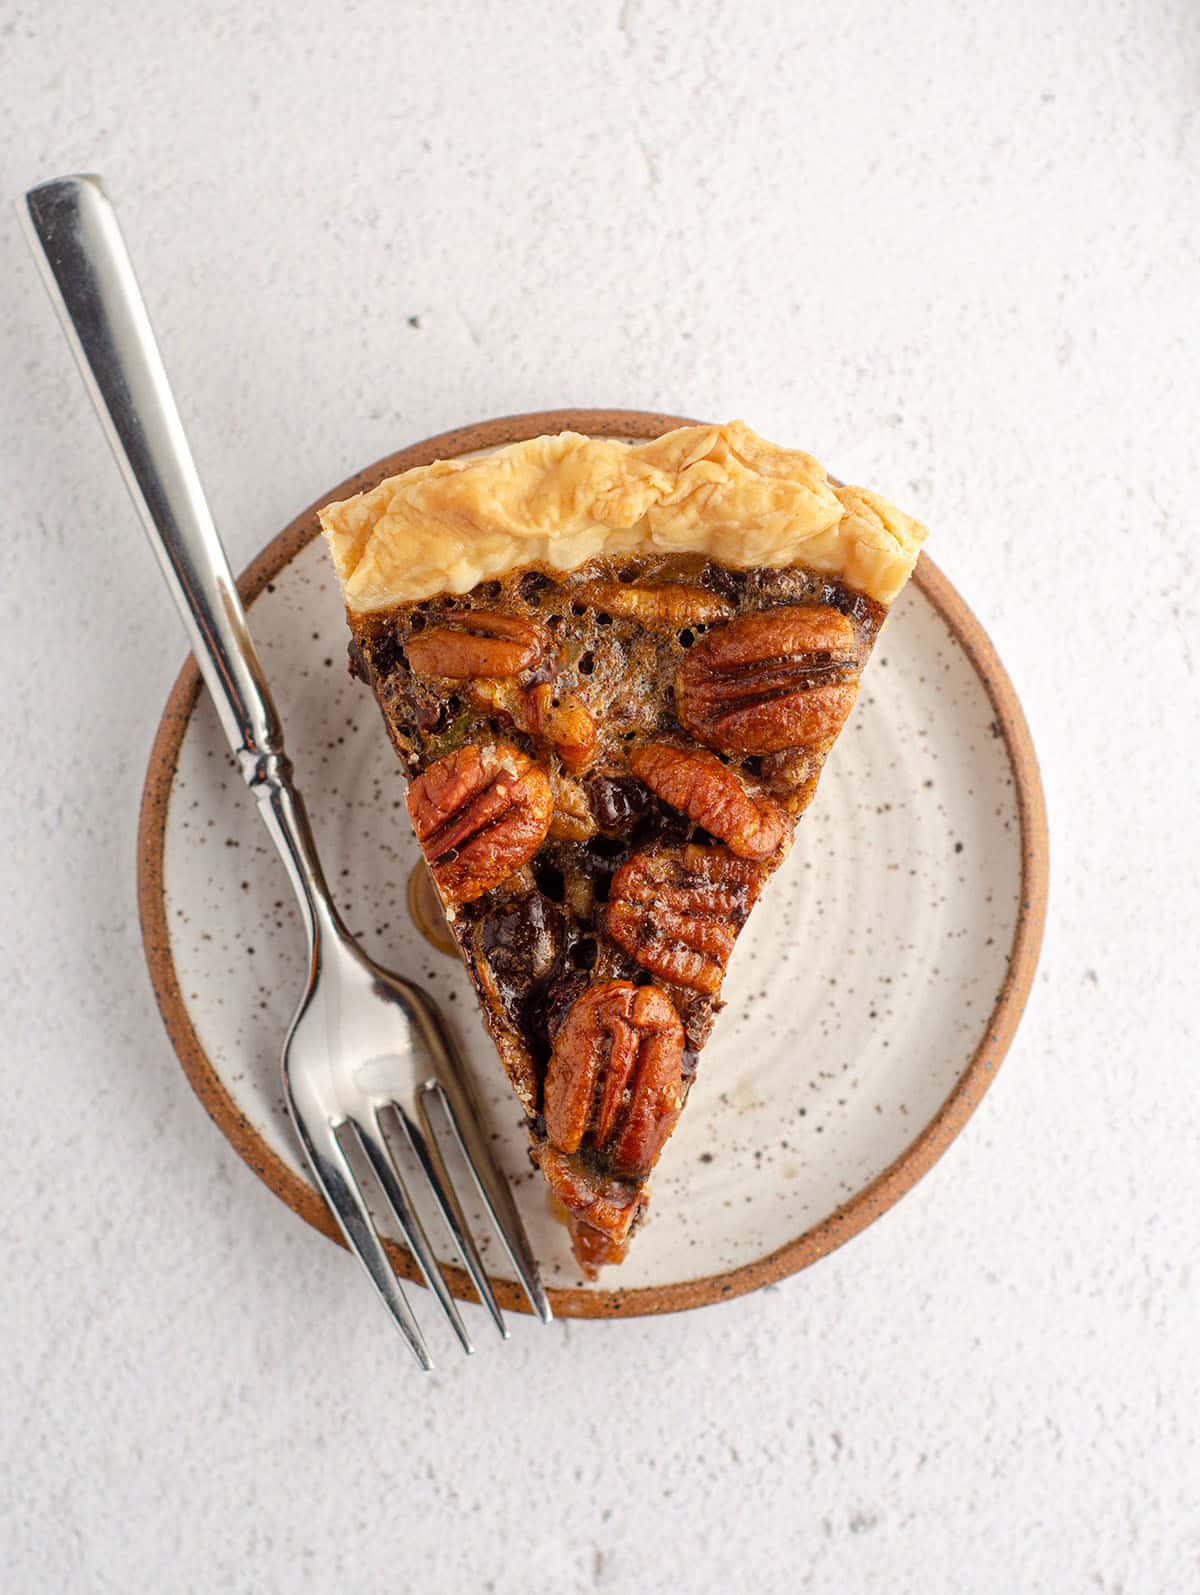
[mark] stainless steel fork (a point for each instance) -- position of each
(369, 1064)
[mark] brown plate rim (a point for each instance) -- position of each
(847, 1220)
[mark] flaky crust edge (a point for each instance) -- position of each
(557, 502)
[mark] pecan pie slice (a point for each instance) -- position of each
(612, 674)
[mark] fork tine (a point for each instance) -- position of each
(339, 1187)
(459, 1121)
(429, 1154)
(374, 1144)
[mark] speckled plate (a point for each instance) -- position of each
(870, 999)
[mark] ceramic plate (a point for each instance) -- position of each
(869, 1001)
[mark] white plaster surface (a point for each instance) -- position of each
(953, 250)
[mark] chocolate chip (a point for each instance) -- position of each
(661, 824)
(522, 946)
(583, 954)
(559, 995)
(606, 847)
(617, 801)
(550, 878)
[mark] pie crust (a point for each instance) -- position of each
(560, 502)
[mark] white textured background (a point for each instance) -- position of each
(953, 250)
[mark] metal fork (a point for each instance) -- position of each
(368, 1063)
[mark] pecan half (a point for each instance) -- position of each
(615, 1076)
(712, 795)
(779, 678)
(475, 643)
(601, 1211)
(679, 913)
(479, 814)
(567, 724)
(671, 604)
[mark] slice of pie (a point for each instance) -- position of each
(612, 674)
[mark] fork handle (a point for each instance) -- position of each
(73, 231)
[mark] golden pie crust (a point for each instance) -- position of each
(559, 502)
